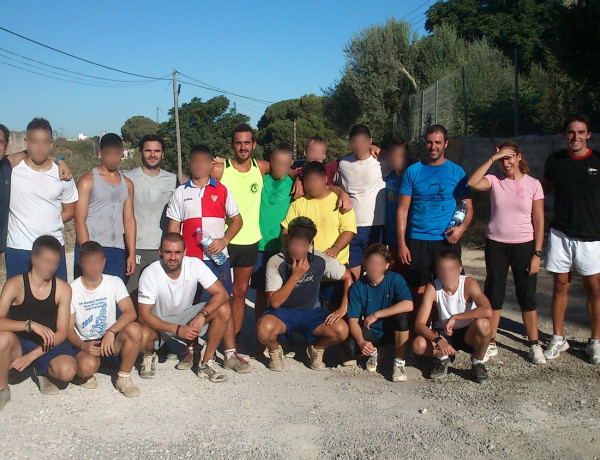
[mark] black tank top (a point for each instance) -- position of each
(41, 311)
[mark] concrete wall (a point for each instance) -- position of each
(16, 142)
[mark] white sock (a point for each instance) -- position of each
(442, 358)
(374, 353)
(229, 353)
(123, 375)
(476, 361)
(558, 337)
(399, 362)
(592, 341)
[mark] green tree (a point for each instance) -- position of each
(136, 127)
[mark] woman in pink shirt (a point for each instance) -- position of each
(514, 238)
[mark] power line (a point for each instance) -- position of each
(79, 58)
(262, 101)
(417, 8)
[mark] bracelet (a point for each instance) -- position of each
(203, 313)
(28, 325)
(110, 330)
(58, 159)
(338, 249)
(177, 330)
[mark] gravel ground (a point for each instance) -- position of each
(544, 412)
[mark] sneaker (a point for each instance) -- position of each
(126, 386)
(492, 350)
(238, 364)
(4, 397)
(211, 371)
(349, 362)
(479, 373)
(46, 386)
(172, 357)
(536, 354)
(371, 365)
(440, 368)
(89, 384)
(593, 351)
(276, 359)
(411, 358)
(555, 347)
(186, 363)
(148, 368)
(399, 374)
(315, 355)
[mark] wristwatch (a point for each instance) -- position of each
(437, 340)
(537, 253)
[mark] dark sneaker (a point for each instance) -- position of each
(440, 368)
(479, 373)
(237, 363)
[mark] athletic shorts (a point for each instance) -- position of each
(143, 258)
(115, 262)
(391, 324)
(423, 254)
(499, 257)
(259, 275)
(182, 319)
(243, 255)
(457, 339)
(365, 236)
(43, 362)
(18, 261)
(223, 272)
(303, 321)
(565, 253)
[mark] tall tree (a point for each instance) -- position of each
(136, 127)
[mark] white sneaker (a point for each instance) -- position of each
(555, 347)
(593, 351)
(492, 350)
(399, 374)
(536, 354)
(372, 363)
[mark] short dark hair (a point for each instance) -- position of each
(152, 138)
(243, 128)
(111, 140)
(580, 117)
(379, 249)
(46, 242)
(201, 149)
(397, 142)
(449, 253)
(313, 167)
(283, 147)
(302, 227)
(437, 129)
(172, 237)
(359, 129)
(90, 247)
(40, 123)
(6, 132)
(315, 138)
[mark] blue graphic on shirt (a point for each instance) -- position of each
(99, 326)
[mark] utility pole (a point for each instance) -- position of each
(176, 107)
(157, 122)
(295, 151)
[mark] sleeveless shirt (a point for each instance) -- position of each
(448, 305)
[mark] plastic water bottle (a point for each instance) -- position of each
(206, 240)
(458, 216)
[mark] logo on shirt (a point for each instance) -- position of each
(592, 171)
(214, 198)
(306, 278)
(188, 199)
(254, 187)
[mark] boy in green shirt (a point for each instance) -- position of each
(274, 203)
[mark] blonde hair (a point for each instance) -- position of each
(510, 145)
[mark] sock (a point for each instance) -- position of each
(531, 343)
(593, 341)
(558, 337)
(229, 353)
(493, 341)
(443, 358)
(399, 362)
(123, 375)
(476, 361)
(374, 353)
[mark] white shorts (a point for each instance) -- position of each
(566, 253)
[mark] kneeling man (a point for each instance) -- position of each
(292, 284)
(166, 305)
(463, 313)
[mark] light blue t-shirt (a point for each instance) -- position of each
(434, 191)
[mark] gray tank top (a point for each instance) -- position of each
(105, 212)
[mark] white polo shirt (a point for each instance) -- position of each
(36, 200)
(173, 296)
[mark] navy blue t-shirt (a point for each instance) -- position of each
(365, 299)
(5, 175)
(434, 191)
(392, 193)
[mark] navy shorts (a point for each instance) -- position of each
(223, 272)
(258, 280)
(302, 321)
(18, 261)
(115, 262)
(331, 292)
(114, 360)
(457, 339)
(43, 362)
(365, 236)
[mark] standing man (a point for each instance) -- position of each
(429, 193)
(574, 238)
(153, 188)
(40, 202)
(104, 212)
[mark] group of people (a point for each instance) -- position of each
(359, 252)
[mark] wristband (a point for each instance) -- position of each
(28, 325)
(338, 249)
(58, 159)
(203, 313)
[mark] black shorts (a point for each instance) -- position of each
(457, 339)
(243, 255)
(391, 324)
(499, 257)
(423, 254)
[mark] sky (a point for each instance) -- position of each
(269, 50)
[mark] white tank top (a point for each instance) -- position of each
(448, 305)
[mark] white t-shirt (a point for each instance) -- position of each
(364, 181)
(173, 296)
(36, 200)
(96, 310)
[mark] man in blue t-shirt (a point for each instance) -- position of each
(429, 193)
(292, 284)
(379, 304)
